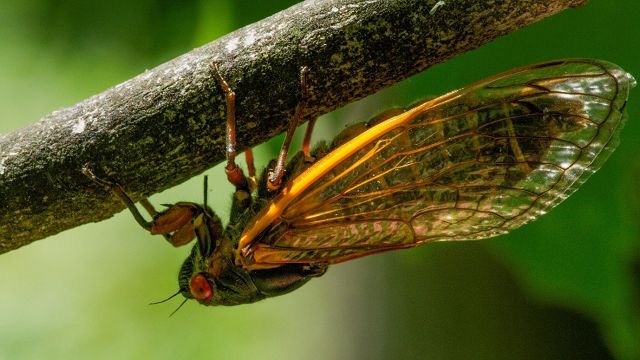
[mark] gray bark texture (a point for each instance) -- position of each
(167, 124)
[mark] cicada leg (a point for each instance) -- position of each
(276, 174)
(306, 152)
(251, 168)
(174, 224)
(148, 206)
(119, 191)
(233, 171)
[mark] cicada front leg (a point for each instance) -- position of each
(174, 224)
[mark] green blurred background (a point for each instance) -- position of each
(565, 286)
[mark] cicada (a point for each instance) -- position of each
(471, 164)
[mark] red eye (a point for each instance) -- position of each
(200, 288)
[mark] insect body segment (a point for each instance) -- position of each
(471, 164)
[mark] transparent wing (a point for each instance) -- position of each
(472, 164)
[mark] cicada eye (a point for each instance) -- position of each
(200, 288)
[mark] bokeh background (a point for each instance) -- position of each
(565, 286)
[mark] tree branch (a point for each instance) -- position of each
(167, 124)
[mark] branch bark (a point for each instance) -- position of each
(167, 124)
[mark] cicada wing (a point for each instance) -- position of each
(469, 165)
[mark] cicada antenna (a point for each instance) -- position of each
(167, 299)
(178, 308)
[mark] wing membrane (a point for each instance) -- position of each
(472, 164)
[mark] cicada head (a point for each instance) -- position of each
(215, 280)
(208, 275)
(193, 284)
